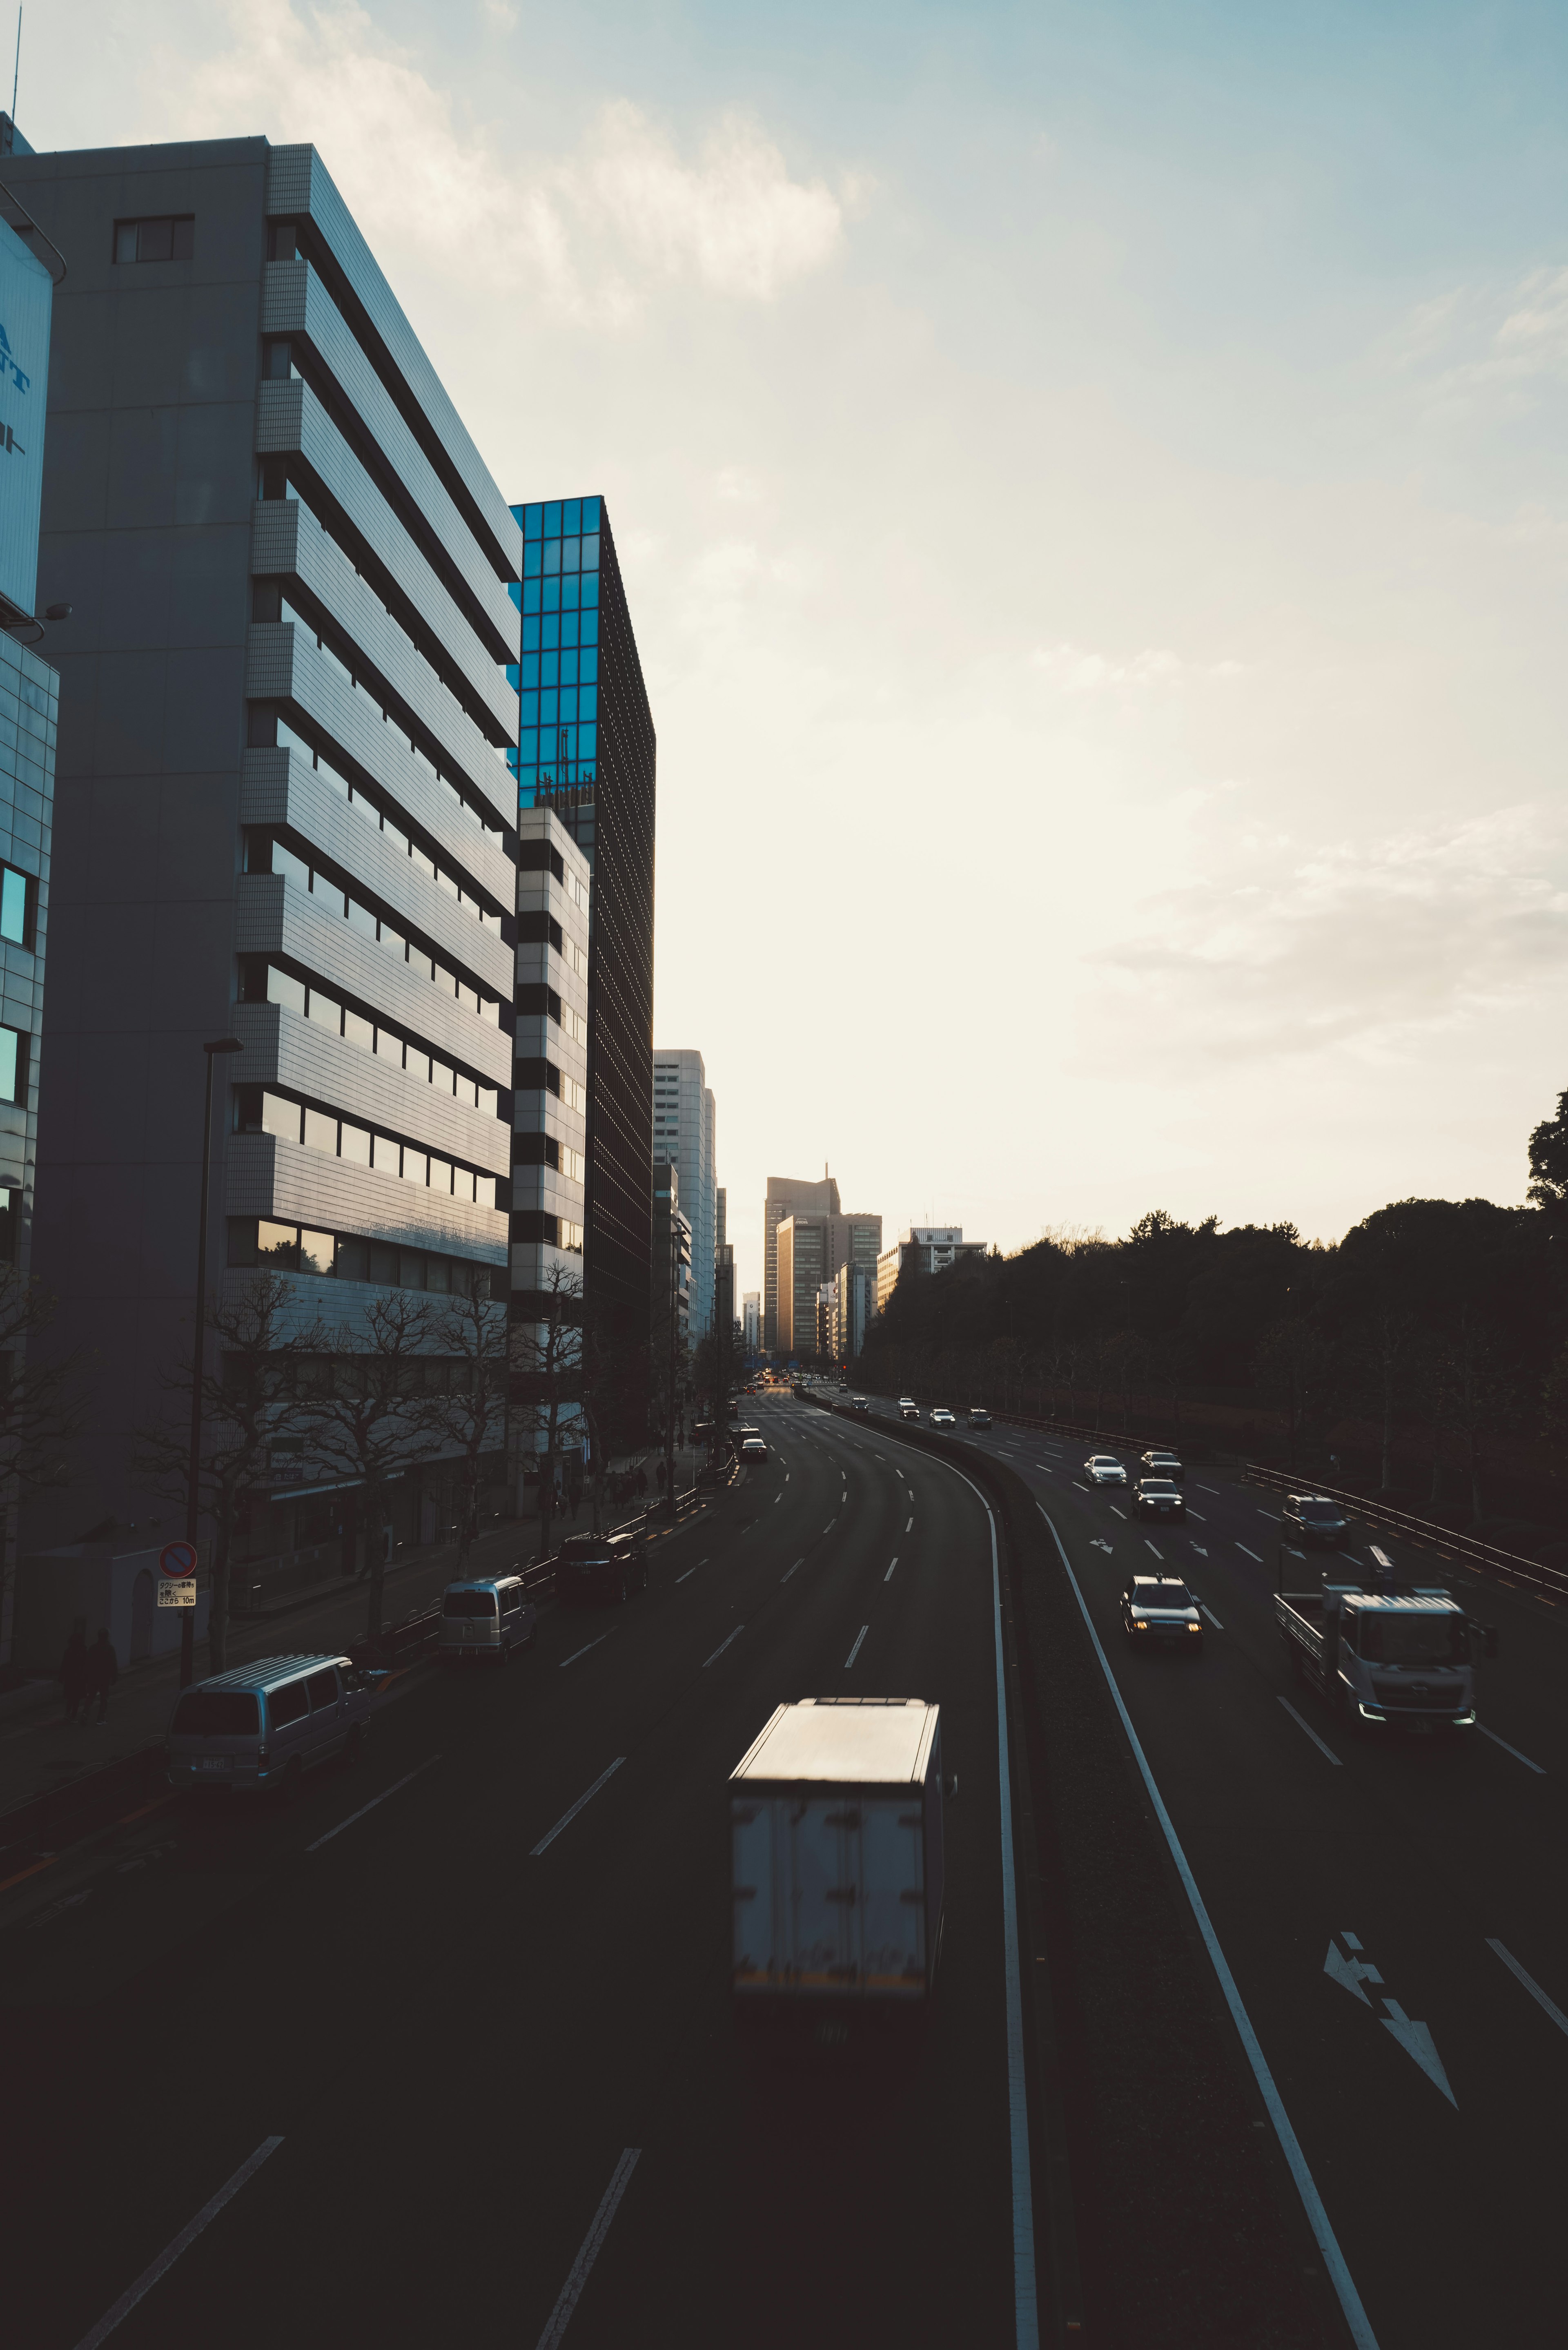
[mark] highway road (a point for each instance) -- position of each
(1393, 1911)
(463, 2011)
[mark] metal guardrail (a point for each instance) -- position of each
(1505, 1563)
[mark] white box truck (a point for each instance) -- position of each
(835, 1842)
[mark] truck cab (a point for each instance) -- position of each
(1399, 1660)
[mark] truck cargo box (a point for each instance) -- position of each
(836, 1835)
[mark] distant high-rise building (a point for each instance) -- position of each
(785, 1195)
(685, 1125)
(586, 751)
(752, 1321)
(924, 1248)
(854, 1309)
(720, 1232)
(810, 1250)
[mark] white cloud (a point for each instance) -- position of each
(595, 229)
(1070, 668)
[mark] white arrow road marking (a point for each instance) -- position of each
(1548, 2007)
(1100, 1542)
(1417, 2042)
(1350, 1973)
(1199, 1551)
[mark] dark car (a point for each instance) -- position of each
(1156, 1497)
(860, 1403)
(1314, 1521)
(591, 1568)
(1158, 1611)
(1161, 1463)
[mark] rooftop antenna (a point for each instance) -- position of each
(16, 72)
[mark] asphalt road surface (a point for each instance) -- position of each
(480, 2083)
(1392, 1911)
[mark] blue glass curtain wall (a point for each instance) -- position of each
(557, 677)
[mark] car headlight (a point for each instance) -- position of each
(1195, 1628)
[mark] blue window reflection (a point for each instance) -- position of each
(513, 678)
(571, 550)
(590, 514)
(527, 744)
(587, 742)
(549, 668)
(587, 702)
(590, 588)
(551, 555)
(589, 666)
(530, 596)
(530, 709)
(530, 669)
(552, 589)
(571, 516)
(568, 669)
(553, 518)
(530, 562)
(515, 592)
(569, 594)
(591, 553)
(588, 629)
(549, 708)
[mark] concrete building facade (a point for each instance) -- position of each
(786, 1195)
(685, 1131)
(854, 1310)
(283, 810)
(810, 1250)
(924, 1248)
(752, 1321)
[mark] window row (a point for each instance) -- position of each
(267, 982)
(557, 518)
(353, 677)
(18, 906)
(543, 1002)
(542, 1077)
(169, 236)
(543, 1151)
(532, 1224)
(569, 668)
(553, 705)
(538, 857)
(265, 853)
(555, 743)
(576, 593)
(291, 1248)
(541, 929)
(552, 555)
(259, 1110)
(548, 632)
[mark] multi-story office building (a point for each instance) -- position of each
(549, 1143)
(586, 751)
(854, 1309)
(924, 1248)
(721, 1216)
(752, 1321)
(810, 1250)
(787, 1195)
(685, 1131)
(285, 808)
(669, 1283)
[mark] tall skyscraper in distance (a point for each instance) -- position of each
(685, 1129)
(811, 1250)
(721, 1219)
(787, 1195)
(586, 751)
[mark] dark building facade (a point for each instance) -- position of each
(586, 751)
(283, 810)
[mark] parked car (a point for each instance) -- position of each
(1158, 1611)
(1161, 1463)
(265, 1725)
(1156, 1497)
(592, 1568)
(908, 1407)
(978, 1416)
(942, 1418)
(1312, 1521)
(1102, 1469)
(754, 1449)
(482, 1620)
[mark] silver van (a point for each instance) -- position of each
(265, 1725)
(484, 1620)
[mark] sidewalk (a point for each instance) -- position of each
(39, 1751)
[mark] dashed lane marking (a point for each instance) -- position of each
(372, 1805)
(911, 1528)
(1538, 1768)
(170, 2253)
(722, 1646)
(888, 1576)
(1158, 1553)
(785, 1576)
(680, 1578)
(1211, 1615)
(589, 2251)
(1249, 1554)
(1548, 2006)
(1311, 1732)
(580, 1652)
(855, 1651)
(568, 1817)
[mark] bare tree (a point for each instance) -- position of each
(249, 1404)
(470, 1410)
(370, 1416)
(545, 1376)
(43, 1410)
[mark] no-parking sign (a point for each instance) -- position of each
(178, 1559)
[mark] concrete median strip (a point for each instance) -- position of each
(171, 2253)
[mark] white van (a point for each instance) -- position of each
(265, 1725)
(484, 1620)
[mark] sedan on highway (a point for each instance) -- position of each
(942, 1418)
(1161, 1463)
(1158, 1611)
(860, 1403)
(752, 1449)
(1156, 1497)
(1100, 1469)
(978, 1416)
(1314, 1521)
(908, 1407)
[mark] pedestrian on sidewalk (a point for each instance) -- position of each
(72, 1673)
(102, 1674)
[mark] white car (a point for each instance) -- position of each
(1100, 1468)
(754, 1449)
(942, 1418)
(908, 1407)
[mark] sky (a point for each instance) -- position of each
(1092, 486)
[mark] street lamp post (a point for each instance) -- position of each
(199, 1356)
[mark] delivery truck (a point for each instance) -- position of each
(1400, 1659)
(835, 1842)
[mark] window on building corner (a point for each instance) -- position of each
(15, 908)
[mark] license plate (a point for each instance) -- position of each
(213, 1762)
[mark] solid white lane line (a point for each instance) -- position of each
(1548, 2006)
(1158, 1553)
(722, 1646)
(680, 1578)
(571, 2292)
(888, 1576)
(568, 1817)
(579, 1652)
(1311, 1732)
(784, 1578)
(1507, 1749)
(1249, 1554)
(855, 1651)
(371, 1806)
(1212, 1617)
(170, 2253)
(1327, 2244)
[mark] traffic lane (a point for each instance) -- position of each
(1283, 1843)
(629, 2052)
